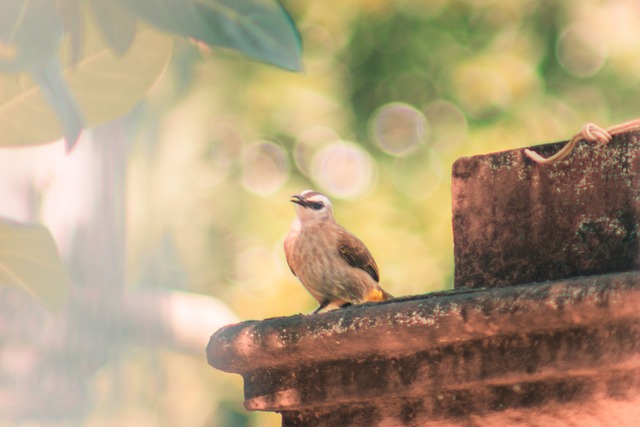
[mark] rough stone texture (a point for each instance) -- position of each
(518, 222)
(539, 354)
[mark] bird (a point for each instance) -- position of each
(334, 266)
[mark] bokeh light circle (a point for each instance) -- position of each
(482, 90)
(265, 168)
(344, 169)
(397, 128)
(307, 145)
(448, 124)
(581, 51)
(225, 151)
(418, 175)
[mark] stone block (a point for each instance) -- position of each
(515, 221)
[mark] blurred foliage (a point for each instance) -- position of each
(391, 94)
(109, 61)
(109, 64)
(104, 85)
(29, 260)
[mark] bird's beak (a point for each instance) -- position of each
(298, 200)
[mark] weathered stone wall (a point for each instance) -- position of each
(515, 221)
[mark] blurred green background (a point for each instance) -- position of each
(391, 94)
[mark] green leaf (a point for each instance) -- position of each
(72, 22)
(29, 260)
(32, 28)
(261, 29)
(60, 99)
(106, 86)
(117, 25)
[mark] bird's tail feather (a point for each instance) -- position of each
(377, 294)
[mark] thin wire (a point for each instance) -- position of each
(590, 132)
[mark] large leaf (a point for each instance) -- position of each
(32, 29)
(29, 260)
(55, 90)
(261, 29)
(116, 24)
(105, 86)
(101, 85)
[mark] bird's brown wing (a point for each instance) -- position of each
(289, 254)
(357, 254)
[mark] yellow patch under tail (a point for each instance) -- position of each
(377, 295)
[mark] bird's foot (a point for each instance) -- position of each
(322, 305)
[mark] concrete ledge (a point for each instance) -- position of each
(536, 350)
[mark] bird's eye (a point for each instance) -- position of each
(316, 206)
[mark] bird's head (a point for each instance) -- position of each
(312, 206)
